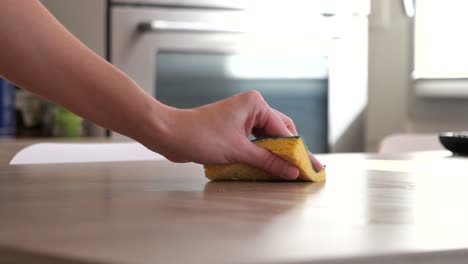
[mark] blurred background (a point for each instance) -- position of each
(350, 73)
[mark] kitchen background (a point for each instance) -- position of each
(395, 99)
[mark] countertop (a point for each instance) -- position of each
(405, 208)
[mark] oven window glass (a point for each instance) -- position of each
(294, 85)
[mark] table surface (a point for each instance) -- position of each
(408, 208)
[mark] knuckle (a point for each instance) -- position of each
(254, 96)
(174, 158)
(269, 162)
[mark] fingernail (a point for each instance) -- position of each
(291, 173)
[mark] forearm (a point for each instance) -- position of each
(40, 55)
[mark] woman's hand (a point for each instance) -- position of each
(217, 133)
(60, 68)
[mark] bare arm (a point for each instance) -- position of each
(40, 55)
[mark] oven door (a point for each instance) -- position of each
(190, 57)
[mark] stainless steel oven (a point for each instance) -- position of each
(192, 52)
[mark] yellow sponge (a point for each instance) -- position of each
(291, 149)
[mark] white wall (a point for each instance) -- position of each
(389, 68)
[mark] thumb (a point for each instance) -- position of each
(269, 162)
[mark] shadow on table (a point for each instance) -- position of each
(13, 255)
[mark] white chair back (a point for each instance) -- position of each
(410, 142)
(47, 153)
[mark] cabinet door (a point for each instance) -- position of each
(86, 19)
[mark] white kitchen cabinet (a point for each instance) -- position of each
(86, 19)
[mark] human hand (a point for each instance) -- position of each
(217, 134)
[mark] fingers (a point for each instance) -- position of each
(270, 124)
(290, 125)
(275, 123)
(315, 163)
(263, 120)
(287, 121)
(260, 132)
(267, 161)
(268, 121)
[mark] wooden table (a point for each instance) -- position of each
(373, 209)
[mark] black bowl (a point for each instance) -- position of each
(457, 142)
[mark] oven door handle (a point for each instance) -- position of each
(186, 27)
